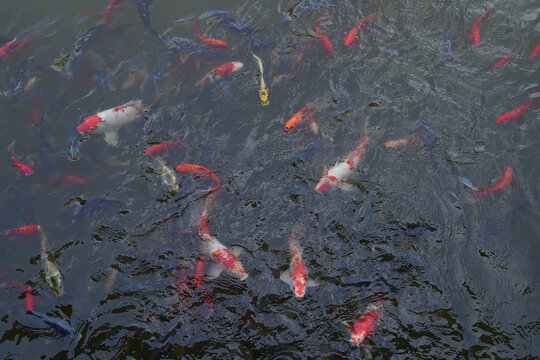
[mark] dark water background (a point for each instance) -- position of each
(458, 277)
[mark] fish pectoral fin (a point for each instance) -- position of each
(111, 137)
(214, 271)
(287, 278)
(237, 251)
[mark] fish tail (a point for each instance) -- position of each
(198, 29)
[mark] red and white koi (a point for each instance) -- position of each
(296, 276)
(198, 279)
(10, 48)
(336, 175)
(351, 36)
(514, 115)
(395, 144)
(500, 184)
(221, 72)
(23, 169)
(23, 230)
(474, 35)
(108, 122)
(220, 253)
(325, 41)
(504, 60)
(159, 148)
(207, 40)
(535, 52)
(365, 325)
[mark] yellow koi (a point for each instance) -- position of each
(263, 93)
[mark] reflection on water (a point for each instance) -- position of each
(158, 159)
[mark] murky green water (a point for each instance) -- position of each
(454, 276)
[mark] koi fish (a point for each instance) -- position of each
(351, 36)
(167, 175)
(220, 253)
(23, 169)
(500, 184)
(9, 49)
(183, 288)
(297, 118)
(67, 179)
(398, 143)
(23, 230)
(109, 121)
(108, 13)
(535, 51)
(60, 327)
(198, 279)
(335, 177)
(296, 276)
(27, 292)
(221, 72)
(513, 115)
(207, 40)
(503, 60)
(263, 93)
(325, 41)
(365, 325)
(198, 171)
(474, 35)
(159, 148)
(53, 277)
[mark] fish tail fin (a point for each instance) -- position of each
(198, 28)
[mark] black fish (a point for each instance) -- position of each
(75, 59)
(60, 327)
(143, 8)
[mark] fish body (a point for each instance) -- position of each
(10, 48)
(207, 40)
(263, 92)
(351, 36)
(168, 175)
(474, 35)
(29, 298)
(365, 325)
(198, 171)
(513, 115)
(23, 230)
(394, 144)
(24, 169)
(503, 61)
(53, 276)
(221, 254)
(337, 174)
(60, 327)
(297, 276)
(296, 119)
(222, 72)
(500, 184)
(159, 148)
(535, 52)
(109, 121)
(325, 41)
(143, 9)
(198, 279)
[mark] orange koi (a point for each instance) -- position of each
(198, 170)
(325, 41)
(351, 36)
(23, 230)
(474, 35)
(535, 51)
(159, 148)
(207, 40)
(24, 169)
(398, 143)
(9, 49)
(365, 325)
(504, 60)
(500, 184)
(297, 118)
(514, 115)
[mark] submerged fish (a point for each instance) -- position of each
(23, 230)
(168, 175)
(10, 48)
(109, 121)
(500, 184)
(60, 327)
(325, 41)
(474, 35)
(23, 169)
(221, 72)
(351, 36)
(263, 92)
(365, 325)
(159, 148)
(108, 13)
(85, 212)
(514, 115)
(296, 276)
(198, 279)
(335, 177)
(207, 40)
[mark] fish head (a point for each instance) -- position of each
(91, 123)
(325, 184)
(357, 338)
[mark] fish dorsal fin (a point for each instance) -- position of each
(111, 137)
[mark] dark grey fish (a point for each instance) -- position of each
(75, 59)
(89, 211)
(19, 82)
(143, 8)
(60, 327)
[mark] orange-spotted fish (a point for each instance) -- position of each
(221, 72)
(207, 40)
(159, 148)
(23, 230)
(500, 184)
(336, 175)
(199, 170)
(325, 41)
(219, 252)
(10, 48)
(351, 36)
(296, 276)
(365, 325)
(23, 169)
(108, 122)
(515, 115)
(474, 35)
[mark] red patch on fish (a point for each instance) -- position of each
(325, 41)
(91, 123)
(503, 61)
(365, 326)
(351, 36)
(500, 184)
(207, 40)
(23, 230)
(200, 171)
(474, 35)
(535, 52)
(10, 48)
(198, 279)
(27, 291)
(159, 148)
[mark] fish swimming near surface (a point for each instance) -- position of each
(504, 60)
(500, 184)
(336, 175)
(535, 52)
(399, 143)
(162, 147)
(108, 122)
(298, 117)
(10, 48)
(365, 325)
(198, 170)
(474, 35)
(514, 115)
(60, 327)
(220, 253)
(351, 36)
(23, 169)
(198, 279)
(23, 230)
(221, 72)
(29, 298)
(263, 92)
(325, 41)
(297, 276)
(207, 40)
